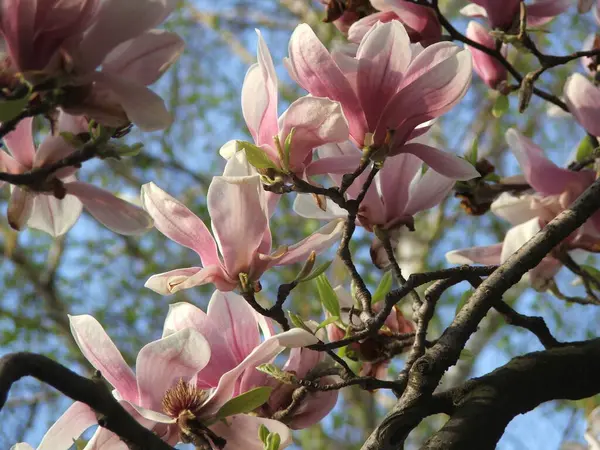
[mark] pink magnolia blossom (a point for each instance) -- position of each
(554, 189)
(200, 360)
(231, 328)
(239, 213)
(56, 204)
(389, 91)
(399, 191)
(314, 121)
(70, 40)
(505, 14)
(583, 100)
(342, 22)
(421, 22)
(368, 350)
(487, 67)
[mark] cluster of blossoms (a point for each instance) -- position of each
(375, 102)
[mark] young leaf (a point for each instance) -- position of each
(327, 321)
(500, 106)
(328, 296)
(273, 442)
(585, 150)
(263, 433)
(318, 271)
(385, 286)
(298, 322)
(256, 156)
(472, 156)
(245, 403)
(275, 372)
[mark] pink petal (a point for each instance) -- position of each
(514, 209)
(474, 11)
(395, 178)
(305, 205)
(52, 149)
(54, 216)
(117, 22)
(541, 173)
(102, 353)
(118, 215)
(178, 223)
(70, 426)
(145, 58)
(359, 29)
(10, 165)
(238, 210)
(487, 67)
(500, 14)
(488, 255)
(421, 21)
(427, 191)
(316, 71)
(259, 97)
(316, 121)
(517, 236)
(583, 99)
(162, 363)
(541, 12)
(241, 431)
(314, 407)
(20, 207)
(442, 162)
(322, 239)
(143, 107)
(175, 280)
(20, 142)
(333, 165)
(383, 57)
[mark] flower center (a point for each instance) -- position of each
(183, 397)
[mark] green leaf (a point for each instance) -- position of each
(263, 433)
(275, 372)
(256, 156)
(492, 177)
(327, 321)
(473, 155)
(328, 296)
(385, 286)
(463, 300)
(287, 148)
(585, 150)
(298, 322)
(273, 442)
(318, 271)
(79, 443)
(9, 109)
(500, 106)
(245, 403)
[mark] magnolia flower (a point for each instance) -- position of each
(421, 22)
(399, 191)
(239, 213)
(313, 121)
(388, 90)
(55, 205)
(554, 189)
(184, 376)
(489, 69)
(504, 14)
(583, 100)
(70, 40)
(371, 351)
(231, 328)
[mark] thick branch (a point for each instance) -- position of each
(93, 393)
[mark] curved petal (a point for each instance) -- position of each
(517, 236)
(162, 363)
(314, 407)
(241, 431)
(316, 121)
(168, 283)
(500, 14)
(173, 219)
(487, 67)
(102, 353)
(118, 215)
(238, 210)
(316, 71)
(359, 29)
(54, 216)
(514, 209)
(487, 255)
(52, 149)
(541, 173)
(427, 191)
(20, 142)
(10, 165)
(20, 207)
(184, 315)
(583, 99)
(541, 12)
(74, 421)
(115, 22)
(395, 178)
(146, 57)
(442, 162)
(321, 240)
(305, 205)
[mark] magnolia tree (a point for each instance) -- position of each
(356, 151)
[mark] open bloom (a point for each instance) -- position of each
(504, 14)
(487, 67)
(421, 22)
(56, 203)
(70, 40)
(231, 328)
(182, 376)
(399, 191)
(583, 99)
(554, 189)
(389, 91)
(239, 213)
(313, 121)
